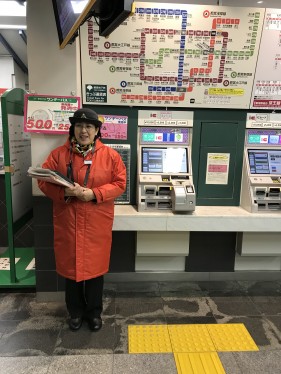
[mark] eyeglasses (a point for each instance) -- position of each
(86, 126)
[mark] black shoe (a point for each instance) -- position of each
(95, 324)
(75, 323)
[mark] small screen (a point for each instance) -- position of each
(164, 160)
(264, 161)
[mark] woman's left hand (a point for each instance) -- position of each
(86, 194)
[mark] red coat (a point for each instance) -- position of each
(83, 230)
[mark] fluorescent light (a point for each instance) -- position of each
(12, 8)
(259, 2)
(16, 27)
(78, 6)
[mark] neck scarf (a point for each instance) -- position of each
(81, 149)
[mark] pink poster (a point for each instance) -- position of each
(114, 127)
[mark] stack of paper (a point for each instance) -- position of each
(48, 175)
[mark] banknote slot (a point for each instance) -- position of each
(274, 206)
(164, 191)
(150, 190)
(164, 205)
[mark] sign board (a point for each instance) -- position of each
(49, 114)
(173, 55)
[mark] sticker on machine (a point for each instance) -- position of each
(217, 168)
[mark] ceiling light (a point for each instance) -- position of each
(259, 2)
(12, 8)
(15, 27)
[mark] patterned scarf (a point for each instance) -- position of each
(81, 149)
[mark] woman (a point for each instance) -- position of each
(83, 215)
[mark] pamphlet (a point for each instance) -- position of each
(48, 175)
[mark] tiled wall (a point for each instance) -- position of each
(209, 251)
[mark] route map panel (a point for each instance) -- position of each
(267, 84)
(173, 55)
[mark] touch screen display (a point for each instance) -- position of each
(264, 161)
(164, 160)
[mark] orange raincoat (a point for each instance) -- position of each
(83, 230)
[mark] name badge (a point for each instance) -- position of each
(87, 162)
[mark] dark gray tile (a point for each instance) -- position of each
(264, 288)
(188, 306)
(222, 288)
(275, 322)
(222, 307)
(135, 288)
(182, 288)
(14, 305)
(34, 337)
(268, 305)
(141, 307)
(86, 342)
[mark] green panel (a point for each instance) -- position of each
(25, 278)
(218, 131)
(12, 102)
(212, 134)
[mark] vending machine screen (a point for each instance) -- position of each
(264, 161)
(164, 160)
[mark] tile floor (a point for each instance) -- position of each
(34, 337)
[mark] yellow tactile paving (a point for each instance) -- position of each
(198, 363)
(194, 346)
(231, 337)
(190, 338)
(149, 339)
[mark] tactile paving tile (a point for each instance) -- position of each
(5, 263)
(149, 339)
(198, 363)
(231, 337)
(190, 338)
(31, 265)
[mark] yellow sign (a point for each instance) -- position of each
(226, 91)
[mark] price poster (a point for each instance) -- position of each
(49, 114)
(114, 127)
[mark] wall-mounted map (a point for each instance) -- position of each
(267, 85)
(173, 55)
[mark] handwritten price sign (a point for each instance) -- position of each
(49, 114)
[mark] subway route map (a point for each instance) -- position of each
(173, 55)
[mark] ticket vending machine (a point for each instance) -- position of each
(261, 183)
(164, 161)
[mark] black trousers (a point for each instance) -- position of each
(84, 299)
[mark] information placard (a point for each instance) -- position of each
(267, 84)
(49, 114)
(173, 55)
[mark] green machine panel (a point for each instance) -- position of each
(218, 145)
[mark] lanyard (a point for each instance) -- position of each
(70, 170)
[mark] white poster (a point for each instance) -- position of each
(173, 55)
(20, 160)
(267, 84)
(217, 168)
